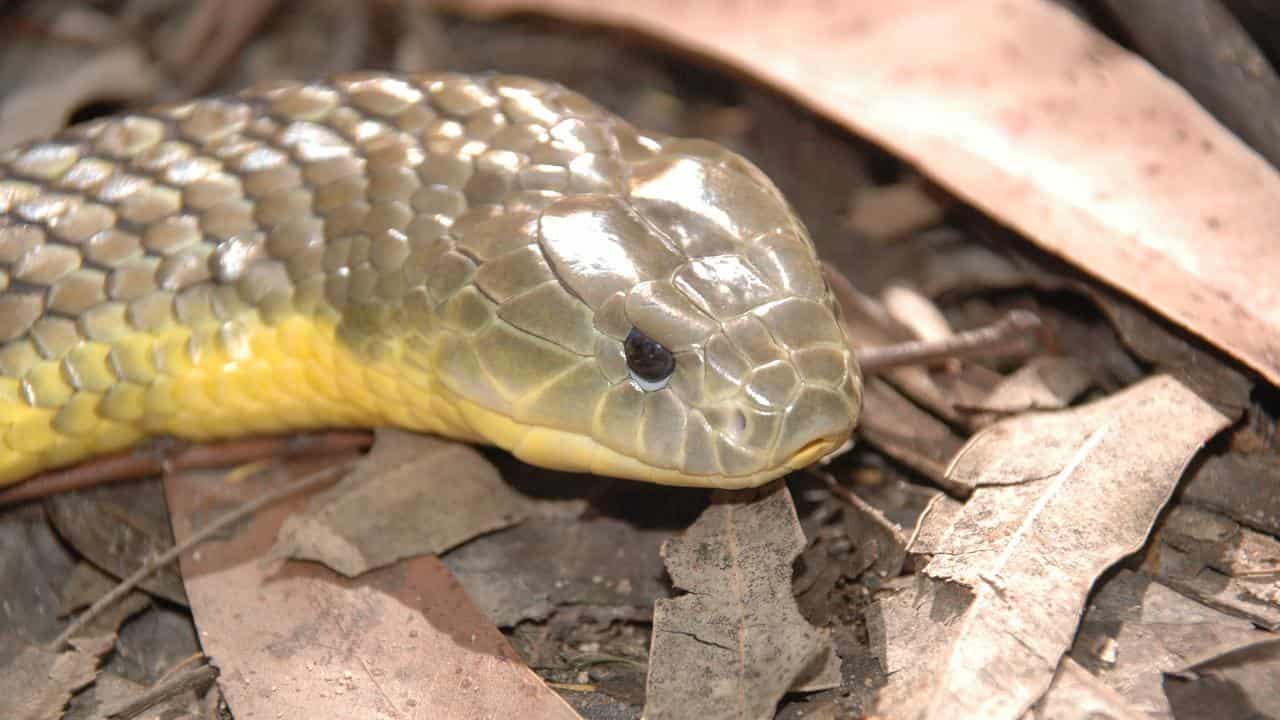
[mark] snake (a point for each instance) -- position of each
(489, 258)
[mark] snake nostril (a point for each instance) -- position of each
(739, 422)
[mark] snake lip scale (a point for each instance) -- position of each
(486, 257)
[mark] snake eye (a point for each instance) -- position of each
(651, 364)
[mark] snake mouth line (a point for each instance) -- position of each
(812, 452)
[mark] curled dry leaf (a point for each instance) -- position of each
(1241, 487)
(1077, 695)
(40, 681)
(1238, 681)
(36, 681)
(119, 528)
(295, 639)
(1137, 628)
(1221, 543)
(1059, 497)
(606, 568)
(904, 432)
(1028, 113)
(1044, 383)
(411, 495)
(736, 643)
(1255, 598)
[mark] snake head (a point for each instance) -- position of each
(703, 346)
(662, 316)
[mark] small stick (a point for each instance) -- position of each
(163, 457)
(307, 482)
(999, 336)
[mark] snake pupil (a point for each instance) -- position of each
(647, 359)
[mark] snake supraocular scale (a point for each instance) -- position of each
(490, 258)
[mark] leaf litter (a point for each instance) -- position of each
(1232, 483)
(1008, 572)
(40, 679)
(398, 504)
(297, 636)
(1235, 681)
(735, 642)
(1136, 629)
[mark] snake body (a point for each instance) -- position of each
(490, 258)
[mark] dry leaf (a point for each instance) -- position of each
(36, 681)
(39, 681)
(1137, 628)
(1255, 598)
(1220, 383)
(904, 432)
(411, 495)
(1044, 383)
(295, 639)
(916, 311)
(1058, 499)
(1077, 695)
(736, 643)
(1242, 487)
(1028, 113)
(1222, 544)
(110, 689)
(881, 544)
(606, 568)
(1236, 682)
(119, 528)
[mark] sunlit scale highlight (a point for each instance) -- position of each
(453, 254)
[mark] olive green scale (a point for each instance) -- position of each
(454, 254)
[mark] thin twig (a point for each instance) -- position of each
(128, 584)
(167, 455)
(1000, 336)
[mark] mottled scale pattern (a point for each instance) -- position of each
(454, 254)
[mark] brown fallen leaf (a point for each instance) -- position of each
(296, 639)
(1031, 115)
(904, 432)
(1136, 629)
(1059, 497)
(881, 544)
(400, 501)
(118, 528)
(1238, 681)
(37, 681)
(872, 327)
(1255, 598)
(736, 642)
(1241, 487)
(1221, 383)
(1077, 695)
(914, 310)
(1222, 544)
(1044, 383)
(604, 567)
(40, 681)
